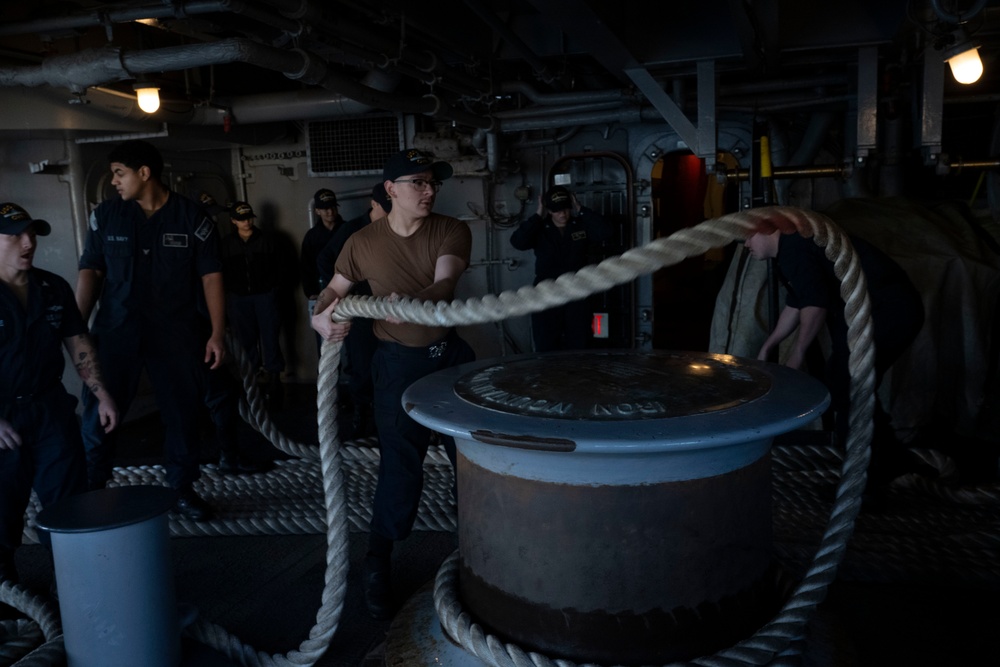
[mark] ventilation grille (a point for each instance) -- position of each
(352, 146)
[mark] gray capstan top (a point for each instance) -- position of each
(603, 400)
(613, 386)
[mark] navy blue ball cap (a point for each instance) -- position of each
(242, 211)
(324, 198)
(14, 220)
(414, 161)
(558, 199)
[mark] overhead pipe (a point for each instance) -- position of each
(290, 19)
(315, 72)
(558, 139)
(122, 136)
(295, 8)
(308, 104)
(575, 97)
(286, 25)
(538, 112)
(630, 114)
(92, 67)
(305, 104)
(596, 97)
(299, 105)
(160, 10)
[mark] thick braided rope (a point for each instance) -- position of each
(337, 561)
(776, 636)
(45, 617)
(568, 287)
(252, 410)
(17, 639)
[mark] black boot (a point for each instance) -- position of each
(231, 463)
(192, 506)
(377, 577)
(378, 586)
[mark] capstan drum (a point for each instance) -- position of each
(615, 506)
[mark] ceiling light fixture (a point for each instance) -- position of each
(148, 96)
(966, 65)
(963, 58)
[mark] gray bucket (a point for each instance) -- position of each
(116, 590)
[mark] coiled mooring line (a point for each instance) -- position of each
(769, 643)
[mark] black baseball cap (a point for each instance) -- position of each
(324, 198)
(413, 161)
(558, 199)
(242, 211)
(14, 220)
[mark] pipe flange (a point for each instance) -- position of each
(437, 104)
(433, 64)
(313, 69)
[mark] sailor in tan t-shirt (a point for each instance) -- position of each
(415, 253)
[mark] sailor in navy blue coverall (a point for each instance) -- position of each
(152, 250)
(40, 446)
(251, 270)
(562, 240)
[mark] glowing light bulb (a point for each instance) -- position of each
(149, 97)
(966, 66)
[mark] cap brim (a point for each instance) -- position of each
(42, 228)
(440, 171)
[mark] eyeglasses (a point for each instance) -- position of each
(420, 184)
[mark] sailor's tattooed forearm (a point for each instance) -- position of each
(85, 360)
